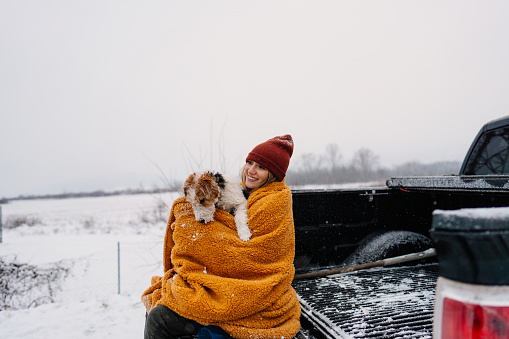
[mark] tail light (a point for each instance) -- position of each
(470, 311)
(472, 296)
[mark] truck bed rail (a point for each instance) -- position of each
(482, 183)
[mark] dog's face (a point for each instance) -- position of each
(201, 189)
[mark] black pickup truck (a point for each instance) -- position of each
(342, 228)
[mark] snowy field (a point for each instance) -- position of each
(85, 237)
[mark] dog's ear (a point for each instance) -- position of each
(219, 179)
(188, 183)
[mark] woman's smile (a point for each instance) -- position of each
(251, 178)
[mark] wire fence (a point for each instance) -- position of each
(138, 262)
(125, 269)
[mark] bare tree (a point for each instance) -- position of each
(310, 162)
(332, 156)
(216, 153)
(193, 162)
(170, 183)
(365, 161)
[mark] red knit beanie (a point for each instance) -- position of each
(274, 154)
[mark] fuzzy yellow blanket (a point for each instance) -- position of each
(214, 278)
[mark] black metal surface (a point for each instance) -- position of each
(331, 224)
(394, 302)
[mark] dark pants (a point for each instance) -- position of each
(163, 323)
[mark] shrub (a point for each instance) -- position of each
(24, 286)
(20, 220)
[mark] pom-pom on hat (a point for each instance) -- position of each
(274, 154)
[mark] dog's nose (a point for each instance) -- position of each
(201, 221)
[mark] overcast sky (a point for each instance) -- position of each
(103, 94)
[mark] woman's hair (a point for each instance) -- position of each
(270, 179)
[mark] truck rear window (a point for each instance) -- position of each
(490, 155)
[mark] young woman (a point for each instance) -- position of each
(218, 286)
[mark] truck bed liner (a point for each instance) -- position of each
(387, 302)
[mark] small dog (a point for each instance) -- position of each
(206, 190)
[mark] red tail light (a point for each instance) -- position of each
(465, 320)
(468, 311)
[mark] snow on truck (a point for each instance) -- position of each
(346, 240)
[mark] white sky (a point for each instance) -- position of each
(94, 93)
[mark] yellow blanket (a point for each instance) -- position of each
(214, 278)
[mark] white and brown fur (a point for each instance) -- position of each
(206, 190)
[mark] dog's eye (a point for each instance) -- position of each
(202, 201)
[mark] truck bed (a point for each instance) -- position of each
(387, 302)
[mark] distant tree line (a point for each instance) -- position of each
(97, 193)
(329, 168)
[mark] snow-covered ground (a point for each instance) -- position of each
(89, 237)
(86, 236)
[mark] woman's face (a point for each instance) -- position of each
(256, 174)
